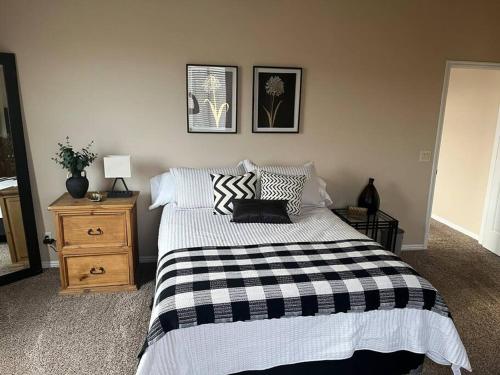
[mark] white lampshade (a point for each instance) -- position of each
(117, 166)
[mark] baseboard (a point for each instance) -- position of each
(458, 228)
(50, 264)
(55, 263)
(413, 247)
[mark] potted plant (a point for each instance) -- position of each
(75, 163)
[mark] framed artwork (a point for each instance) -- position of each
(212, 98)
(276, 99)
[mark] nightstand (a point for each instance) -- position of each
(371, 225)
(96, 243)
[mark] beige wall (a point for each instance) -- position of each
(468, 137)
(114, 71)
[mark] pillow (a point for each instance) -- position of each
(279, 186)
(311, 194)
(325, 197)
(162, 190)
(227, 187)
(260, 211)
(194, 185)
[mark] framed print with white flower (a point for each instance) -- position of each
(276, 99)
(212, 92)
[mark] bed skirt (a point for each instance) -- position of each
(363, 362)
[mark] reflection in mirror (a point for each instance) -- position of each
(13, 249)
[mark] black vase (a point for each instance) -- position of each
(77, 185)
(369, 198)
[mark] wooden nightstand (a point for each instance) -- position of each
(97, 243)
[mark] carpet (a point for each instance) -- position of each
(468, 277)
(42, 333)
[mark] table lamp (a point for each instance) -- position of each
(117, 167)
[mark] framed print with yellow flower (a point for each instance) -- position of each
(212, 92)
(276, 99)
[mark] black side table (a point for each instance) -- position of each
(372, 224)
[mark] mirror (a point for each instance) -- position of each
(19, 255)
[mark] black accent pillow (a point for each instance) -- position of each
(260, 211)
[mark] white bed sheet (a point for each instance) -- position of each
(225, 348)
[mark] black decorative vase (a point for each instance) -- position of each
(369, 198)
(77, 185)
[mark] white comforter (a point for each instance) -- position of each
(225, 348)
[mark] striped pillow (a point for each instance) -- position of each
(282, 187)
(194, 185)
(227, 188)
(311, 195)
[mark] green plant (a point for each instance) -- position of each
(74, 161)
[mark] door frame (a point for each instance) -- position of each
(437, 146)
(491, 174)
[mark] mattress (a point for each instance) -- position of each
(226, 348)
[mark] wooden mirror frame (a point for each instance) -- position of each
(8, 61)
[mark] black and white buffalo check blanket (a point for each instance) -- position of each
(222, 284)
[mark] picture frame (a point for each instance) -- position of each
(276, 99)
(212, 98)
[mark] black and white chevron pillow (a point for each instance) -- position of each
(283, 187)
(227, 188)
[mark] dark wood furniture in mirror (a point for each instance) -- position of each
(19, 253)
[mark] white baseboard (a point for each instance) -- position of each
(413, 247)
(143, 259)
(50, 264)
(458, 228)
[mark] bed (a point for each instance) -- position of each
(364, 325)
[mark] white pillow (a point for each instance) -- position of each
(311, 194)
(162, 190)
(325, 197)
(194, 185)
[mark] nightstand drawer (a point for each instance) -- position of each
(96, 229)
(97, 270)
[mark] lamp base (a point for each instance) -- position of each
(118, 193)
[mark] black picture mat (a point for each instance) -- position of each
(256, 127)
(286, 110)
(228, 91)
(8, 61)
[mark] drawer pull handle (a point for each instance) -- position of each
(98, 232)
(97, 271)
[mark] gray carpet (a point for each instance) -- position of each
(468, 277)
(42, 333)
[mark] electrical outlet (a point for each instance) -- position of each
(47, 239)
(425, 156)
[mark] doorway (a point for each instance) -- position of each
(465, 186)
